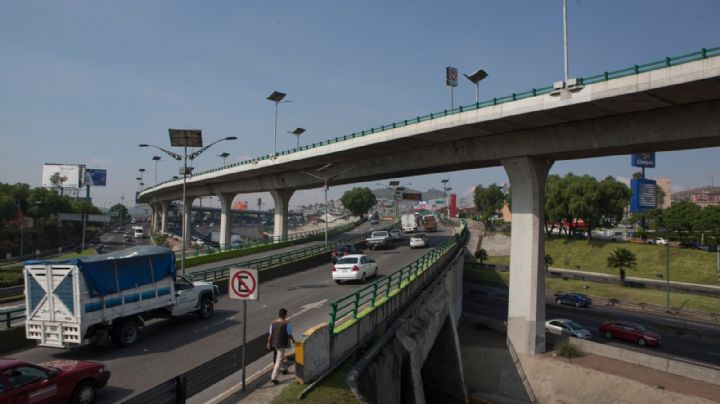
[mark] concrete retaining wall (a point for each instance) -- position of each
(692, 371)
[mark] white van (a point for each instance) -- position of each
(138, 232)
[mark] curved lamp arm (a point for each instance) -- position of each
(169, 153)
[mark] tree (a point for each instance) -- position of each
(683, 218)
(358, 200)
(548, 262)
(8, 208)
(621, 258)
(710, 221)
(488, 201)
(481, 255)
(120, 211)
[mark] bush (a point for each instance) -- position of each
(568, 350)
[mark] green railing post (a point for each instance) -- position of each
(374, 294)
(333, 313)
(357, 305)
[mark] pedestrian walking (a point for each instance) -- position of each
(279, 340)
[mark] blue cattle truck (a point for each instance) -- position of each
(110, 296)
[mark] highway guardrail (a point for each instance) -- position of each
(346, 310)
(196, 252)
(11, 317)
(223, 272)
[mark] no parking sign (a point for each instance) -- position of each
(243, 284)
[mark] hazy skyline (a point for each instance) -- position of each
(86, 82)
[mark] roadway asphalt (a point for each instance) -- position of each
(694, 342)
(170, 347)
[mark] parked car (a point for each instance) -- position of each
(396, 235)
(563, 326)
(574, 299)
(343, 250)
(51, 382)
(418, 240)
(629, 331)
(354, 267)
(690, 244)
(658, 241)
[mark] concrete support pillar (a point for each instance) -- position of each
(164, 216)
(186, 227)
(281, 198)
(225, 204)
(526, 308)
(155, 217)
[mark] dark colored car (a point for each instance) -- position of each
(51, 382)
(632, 332)
(574, 299)
(343, 250)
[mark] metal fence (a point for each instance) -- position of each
(347, 309)
(703, 53)
(246, 244)
(177, 389)
(223, 272)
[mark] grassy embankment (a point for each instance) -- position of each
(692, 266)
(331, 390)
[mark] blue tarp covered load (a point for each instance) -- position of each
(121, 270)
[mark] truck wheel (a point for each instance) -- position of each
(84, 393)
(206, 308)
(126, 333)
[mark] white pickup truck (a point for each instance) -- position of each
(75, 301)
(379, 239)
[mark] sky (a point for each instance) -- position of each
(85, 82)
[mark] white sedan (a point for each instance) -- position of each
(563, 326)
(354, 267)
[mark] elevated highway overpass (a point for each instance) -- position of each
(670, 104)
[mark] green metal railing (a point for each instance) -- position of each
(223, 272)
(703, 53)
(247, 244)
(347, 310)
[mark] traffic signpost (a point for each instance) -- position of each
(244, 285)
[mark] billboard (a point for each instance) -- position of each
(451, 76)
(95, 177)
(411, 196)
(643, 160)
(61, 175)
(644, 195)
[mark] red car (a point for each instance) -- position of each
(632, 332)
(50, 382)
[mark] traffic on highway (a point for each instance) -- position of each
(173, 346)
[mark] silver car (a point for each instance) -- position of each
(563, 326)
(396, 235)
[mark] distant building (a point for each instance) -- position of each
(705, 198)
(666, 185)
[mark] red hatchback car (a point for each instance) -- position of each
(632, 332)
(50, 382)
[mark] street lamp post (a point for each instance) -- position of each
(185, 138)
(224, 156)
(277, 98)
(396, 188)
(297, 132)
(156, 159)
(667, 265)
(475, 79)
(325, 179)
(446, 188)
